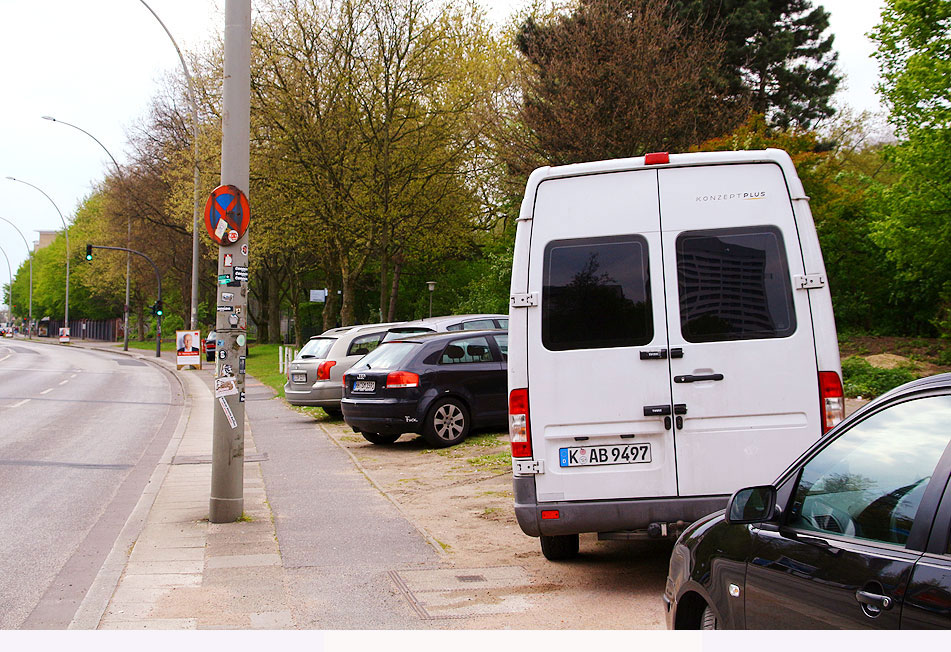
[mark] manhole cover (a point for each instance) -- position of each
(439, 593)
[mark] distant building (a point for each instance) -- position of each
(46, 239)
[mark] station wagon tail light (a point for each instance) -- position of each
(402, 379)
(519, 427)
(656, 158)
(831, 399)
(323, 369)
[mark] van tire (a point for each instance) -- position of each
(708, 620)
(447, 423)
(377, 438)
(559, 547)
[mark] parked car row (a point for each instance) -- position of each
(316, 375)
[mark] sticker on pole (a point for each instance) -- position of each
(227, 214)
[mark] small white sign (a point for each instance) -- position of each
(228, 413)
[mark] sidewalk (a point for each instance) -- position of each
(172, 569)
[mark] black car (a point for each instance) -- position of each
(441, 385)
(855, 534)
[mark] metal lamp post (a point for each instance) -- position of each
(29, 253)
(196, 207)
(128, 257)
(10, 273)
(432, 287)
(65, 230)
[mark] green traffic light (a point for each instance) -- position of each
(88, 252)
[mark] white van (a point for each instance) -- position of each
(671, 340)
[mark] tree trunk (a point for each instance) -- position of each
(261, 319)
(140, 314)
(384, 294)
(274, 308)
(346, 306)
(394, 290)
(332, 304)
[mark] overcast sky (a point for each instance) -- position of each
(97, 64)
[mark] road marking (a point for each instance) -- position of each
(64, 381)
(46, 391)
(73, 376)
(19, 403)
(6, 356)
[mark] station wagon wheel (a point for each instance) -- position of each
(447, 423)
(377, 438)
(708, 620)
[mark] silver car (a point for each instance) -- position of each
(315, 376)
(448, 323)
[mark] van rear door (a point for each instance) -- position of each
(747, 382)
(597, 347)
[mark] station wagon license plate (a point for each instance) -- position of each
(364, 385)
(603, 455)
(299, 376)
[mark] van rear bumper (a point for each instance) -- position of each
(605, 515)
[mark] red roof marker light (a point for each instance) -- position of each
(656, 158)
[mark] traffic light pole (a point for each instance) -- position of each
(158, 280)
(226, 502)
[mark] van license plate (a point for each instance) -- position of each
(364, 385)
(603, 455)
(299, 377)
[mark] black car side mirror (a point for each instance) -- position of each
(751, 505)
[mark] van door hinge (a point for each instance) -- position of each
(528, 467)
(524, 300)
(809, 281)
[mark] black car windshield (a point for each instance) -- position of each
(397, 333)
(316, 348)
(387, 356)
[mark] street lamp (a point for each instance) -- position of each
(65, 230)
(29, 253)
(432, 287)
(128, 256)
(196, 208)
(10, 272)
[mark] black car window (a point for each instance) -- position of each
(503, 342)
(734, 285)
(470, 349)
(869, 481)
(503, 323)
(388, 356)
(363, 344)
(596, 294)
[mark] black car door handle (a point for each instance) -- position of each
(874, 600)
(656, 410)
(696, 379)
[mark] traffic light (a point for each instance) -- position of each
(157, 309)
(88, 252)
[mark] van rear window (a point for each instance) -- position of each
(596, 294)
(734, 285)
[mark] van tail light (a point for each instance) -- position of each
(402, 379)
(519, 426)
(323, 369)
(831, 399)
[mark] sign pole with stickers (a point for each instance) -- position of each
(227, 216)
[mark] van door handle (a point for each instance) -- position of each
(696, 379)
(677, 353)
(656, 410)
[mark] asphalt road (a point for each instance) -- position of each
(80, 434)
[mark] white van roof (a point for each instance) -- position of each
(777, 156)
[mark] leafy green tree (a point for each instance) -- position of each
(778, 51)
(914, 217)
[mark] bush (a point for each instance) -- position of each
(862, 379)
